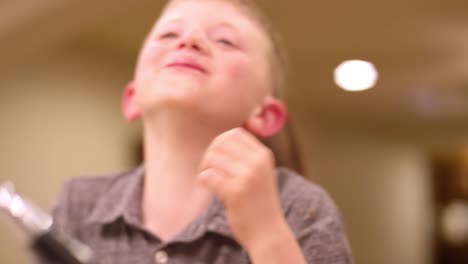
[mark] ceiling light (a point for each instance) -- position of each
(356, 75)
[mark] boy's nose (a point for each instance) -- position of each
(195, 40)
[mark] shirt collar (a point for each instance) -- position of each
(122, 198)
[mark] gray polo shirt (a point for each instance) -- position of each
(105, 213)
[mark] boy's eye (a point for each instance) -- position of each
(169, 35)
(226, 42)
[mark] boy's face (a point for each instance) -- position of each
(207, 58)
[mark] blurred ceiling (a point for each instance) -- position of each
(419, 46)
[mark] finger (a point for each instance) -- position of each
(216, 181)
(223, 161)
(233, 148)
(233, 135)
(237, 142)
(251, 148)
(248, 138)
(256, 146)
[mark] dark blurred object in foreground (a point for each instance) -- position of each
(46, 242)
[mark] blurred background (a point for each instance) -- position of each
(394, 158)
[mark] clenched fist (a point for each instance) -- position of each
(240, 170)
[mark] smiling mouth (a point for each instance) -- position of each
(189, 66)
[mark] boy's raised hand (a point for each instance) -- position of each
(240, 170)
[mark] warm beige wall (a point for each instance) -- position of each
(383, 189)
(60, 118)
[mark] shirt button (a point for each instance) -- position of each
(161, 257)
(212, 226)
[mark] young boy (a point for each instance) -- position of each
(208, 192)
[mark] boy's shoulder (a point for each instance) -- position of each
(294, 187)
(96, 185)
(304, 202)
(79, 196)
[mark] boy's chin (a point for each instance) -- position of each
(191, 110)
(165, 94)
(182, 82)
(173, 104)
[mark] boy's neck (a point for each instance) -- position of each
(172, 196)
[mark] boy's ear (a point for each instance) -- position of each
(268, 119)
(129, 108)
